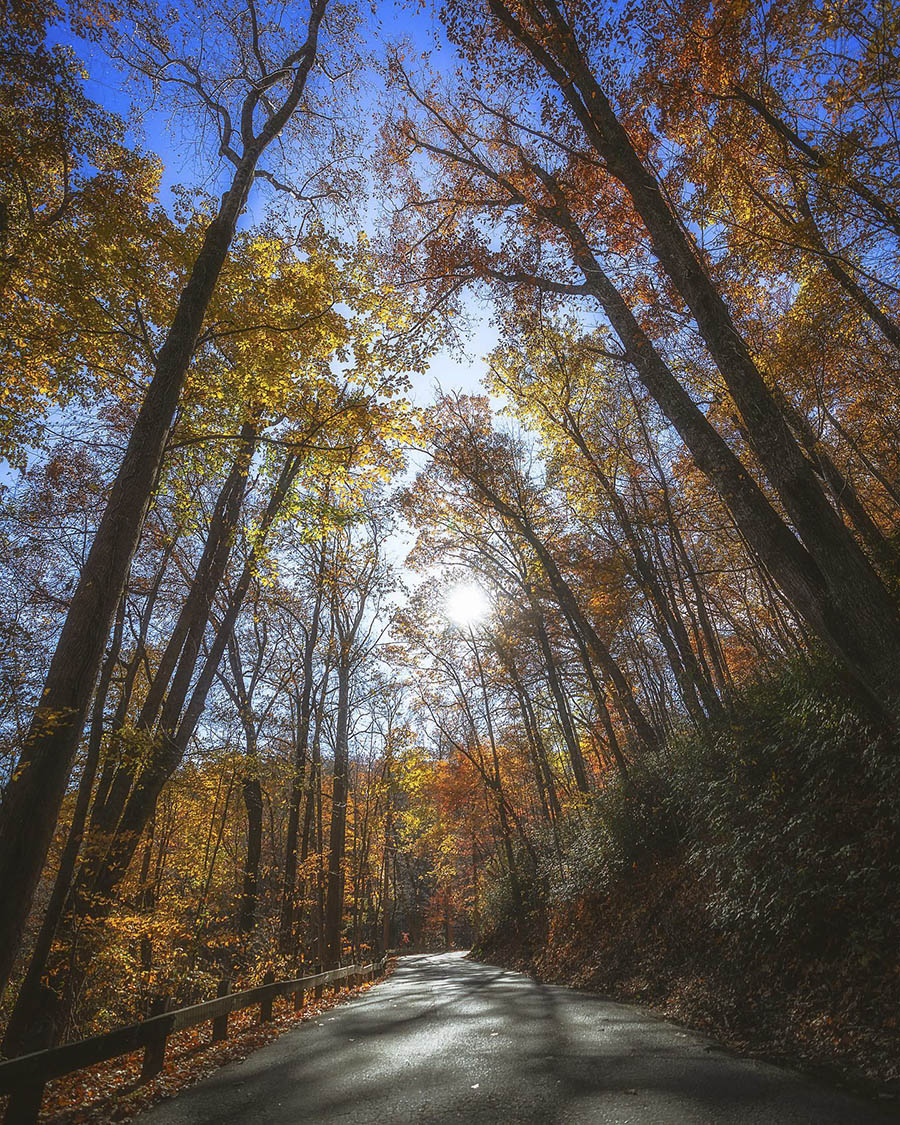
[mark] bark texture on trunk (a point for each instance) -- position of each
(334, 896)
(304, 721)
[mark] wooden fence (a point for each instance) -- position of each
(24, 1078)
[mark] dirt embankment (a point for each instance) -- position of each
(649, 941)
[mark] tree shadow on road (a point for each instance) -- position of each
(451, 1040)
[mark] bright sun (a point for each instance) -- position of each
(467, 604)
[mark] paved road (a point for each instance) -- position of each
(450, 1040)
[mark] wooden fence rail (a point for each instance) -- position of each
(24, 1078)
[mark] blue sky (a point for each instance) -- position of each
(108, 84)
(183, 165)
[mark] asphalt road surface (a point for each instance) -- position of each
(450, 1040)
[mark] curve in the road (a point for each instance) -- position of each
(445, 1039)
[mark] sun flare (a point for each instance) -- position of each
(467, 604)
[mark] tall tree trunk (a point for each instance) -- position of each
(145, 900)
(32, 800)
(126, 689)
(386, 873)
(576, 758)
(251, 787)
(543, 775)
(22, 1024)
(835, 267)
(880, 548)
(598, 693)
(861, 615)
(93, 891)
(180, 654)
(253, 804)
(319, 931)
(787, 560)
(314, 787)
(502, 806)
(666, 616)
(621, 689)
(819, 160)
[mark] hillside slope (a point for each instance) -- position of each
(746, 884)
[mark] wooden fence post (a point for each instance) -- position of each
(220, 1023)
(300, 994)
(320, 988)
(265, 1006)
(24, 1106)
(155, 1051)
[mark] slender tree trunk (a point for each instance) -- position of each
(890, 487)
(180, 654)
(334, 900)
(253, 804)
(93, 890)
(667, 618)
(885, 211)
(598, 693)
(787, 560)
(502, 808)
(32, 800)
(320, 874)
(292, 836)
(881, 550)
(870, 308)
(543, 776)
(622, 692)
(145, 900)
(540, 751)
(386, 875)
(304, 717)
(576, 759)
(242, 694)
(210, 867)
(309, 823)
(621, 689)
(126, 689)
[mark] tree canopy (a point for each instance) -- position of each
(313, 642)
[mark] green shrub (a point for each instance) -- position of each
(790, 810)
(787, 812)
